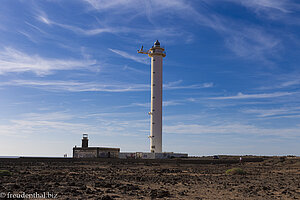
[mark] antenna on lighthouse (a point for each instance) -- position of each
(156, 53)
(142, 50)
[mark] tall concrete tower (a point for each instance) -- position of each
(156, 53)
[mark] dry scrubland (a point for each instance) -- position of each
(272, 178)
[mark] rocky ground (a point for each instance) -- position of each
(273, 178)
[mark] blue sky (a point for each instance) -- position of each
(231, 75)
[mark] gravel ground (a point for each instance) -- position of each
(273, 178)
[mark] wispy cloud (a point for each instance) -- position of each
(290, 83)
(36, 28)
(100, 27)
(101, 5)
(147, 105)
(136, 58)
(231, 128)
(244, 38)
(74, 86)
(33, 123)
(28, 36)
(152, 11)
(284, 6)
(285, 84)
(280, 112)
(172, 103)
(12, 60)
(45, 20)
(176, 85)
(279, 10)
(281, 81)
(79, 30)
(48, 116)
(135, 70)
(256, 96)
(29, 124)
(145, 7)
(251, 42)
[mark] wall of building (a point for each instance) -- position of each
(85, 153)
(108, 153)
(147, 155)
(127, 155)
(96, 152)
(143, 155)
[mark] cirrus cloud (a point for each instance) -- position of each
(12, 60)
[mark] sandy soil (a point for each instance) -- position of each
(274, 178)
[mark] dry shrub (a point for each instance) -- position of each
(235, 171)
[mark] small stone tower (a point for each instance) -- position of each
(85, 141)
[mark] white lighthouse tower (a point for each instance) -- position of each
(156, 53)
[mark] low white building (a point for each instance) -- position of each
(148, 155)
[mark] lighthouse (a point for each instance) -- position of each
(156, 53)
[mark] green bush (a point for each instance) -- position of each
(5, 173)
(234, 171)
